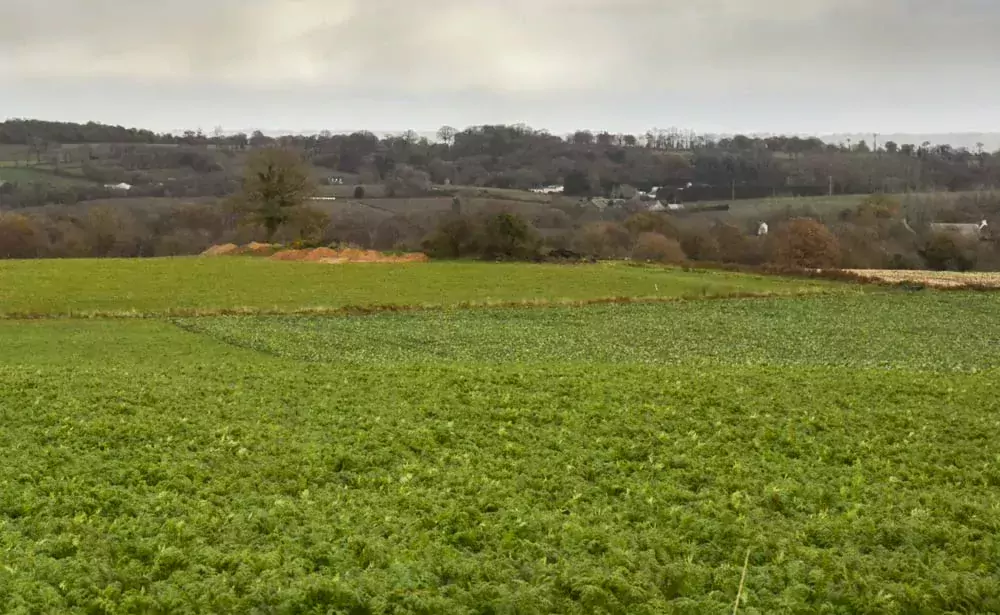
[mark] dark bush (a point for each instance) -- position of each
(950, 252)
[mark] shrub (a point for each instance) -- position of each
(652, 222)
(731, 242)
(700, 246)
(20, 237)
(603, 240)
(508, 236)
(803, 242)
(950, 252)
(453, 238)
(359, 192)
(407, 181)
(657, 248)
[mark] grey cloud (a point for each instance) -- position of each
(588, 56)
(511, 45)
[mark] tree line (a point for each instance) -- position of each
(691, 167)
(273, 204)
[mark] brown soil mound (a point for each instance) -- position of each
(290, 255)
(333, 257)
(222, 250)
(261, 249)
(319, 254)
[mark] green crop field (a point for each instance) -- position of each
(834, 449)
(196, 284)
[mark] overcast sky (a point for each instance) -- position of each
(809, 66)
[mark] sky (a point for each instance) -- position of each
(716, 66)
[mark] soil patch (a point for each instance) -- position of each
(330, 256)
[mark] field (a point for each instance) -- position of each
(745, 209)
(177, 286)
(942, 279)
(31, 175)
(608, 458)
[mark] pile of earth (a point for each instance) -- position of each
(348, 255)
(251, 249)
(317, 255)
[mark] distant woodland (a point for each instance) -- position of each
(98, 190)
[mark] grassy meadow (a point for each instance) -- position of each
(836, 447)
(151, 287)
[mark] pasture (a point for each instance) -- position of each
(39, 176)
(607, 458)
(193, 285)
(826, 206)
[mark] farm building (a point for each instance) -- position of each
(966, 230)
(549, 190)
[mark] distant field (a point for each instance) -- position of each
(845, 330)
(757, 208)
(30, 175)
(181, 285)
(605, 459)
(942, 279)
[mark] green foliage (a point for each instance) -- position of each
(453, 238)
(508, 236)
(598, 460)
(276, 184)
(500, 236)
(928, 331)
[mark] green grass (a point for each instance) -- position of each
(603, 459)
(186, 285)
(36, 176)
(613, 458)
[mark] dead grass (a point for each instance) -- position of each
(935, 279)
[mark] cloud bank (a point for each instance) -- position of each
(519, 49)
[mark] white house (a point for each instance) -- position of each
(549, 190)
(122, 187)
(968, 230)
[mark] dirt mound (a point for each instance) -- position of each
(222, 250)
(333, 257)
(290, 255)
(319, 254)
(261, 249)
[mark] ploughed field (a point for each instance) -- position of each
(607, 458)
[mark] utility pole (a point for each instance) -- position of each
(831, 184)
